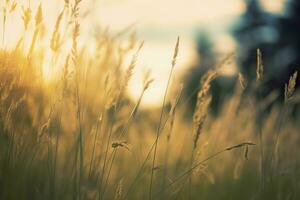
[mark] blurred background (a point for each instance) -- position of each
(209, 31)
(70, 128)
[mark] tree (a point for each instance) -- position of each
(288, 51)
(278, 39)
(220, 87)
(205, 62)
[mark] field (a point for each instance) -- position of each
(77, 134)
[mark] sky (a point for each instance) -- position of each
(158, 23)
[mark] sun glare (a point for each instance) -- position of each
(155, 55)
(275, 6)
(149, 99)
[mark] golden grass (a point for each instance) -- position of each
(79, 136)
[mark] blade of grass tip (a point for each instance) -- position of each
(147, 83)
(172, 115)
(56, 152)
(128, 75)
(288, 94)
(98, 126)
(112, 108)
(140, 170)
(113, 156)
(105, 157)
(3, 26)
(190, 97)
(102, 141)
(187, 172)
(161, 115)
(163, 126)
(259, 77)
(145, 161)
(74, 53)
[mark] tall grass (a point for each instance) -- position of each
(72, 131)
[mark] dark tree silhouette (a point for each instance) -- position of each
(288, 51)
(220, 87)
(205, 61)
(278, 39)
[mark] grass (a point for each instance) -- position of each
(77, 135)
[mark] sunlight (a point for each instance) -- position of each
(156, 54)
(275, 6)
(48, 67)
(149, 99)
(160, 30)
(157, 58)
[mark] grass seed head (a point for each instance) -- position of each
(243, 144)
(259, 66)
(39, 16)
(26, 16)
(289, 88)
(242, 81)
(175, 52)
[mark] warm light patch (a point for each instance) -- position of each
(157, 57)
(48, 67)
(170, 19)
(275, 6)
(225, 45)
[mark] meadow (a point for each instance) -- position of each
(77, 135)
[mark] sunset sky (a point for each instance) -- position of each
(158, 23)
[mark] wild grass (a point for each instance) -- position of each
(72, 131)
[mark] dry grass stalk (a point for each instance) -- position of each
(200, 163)
(242, 81)
(243, 144)
(122, 144)
(9, 7)
(289, 88)
(65, 76)
(12, 103)
(172, 112)
(11, 109)
(147, 83)
(79, 146)
(288, 95)
(246, 152)
(259, 66)
(75, 9)
(200, 113)
(115, 145)
(175, 52)
(202, 105)
(132, 40)
(226, 60)
(39, 16)
(26, 16)
(67, 2)
(13, 6)
(161, 114)
(55, 42)
(75, 35)
(131, 66)
(119, 191)
(147, 80)
(38, 22)
(128, 73)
